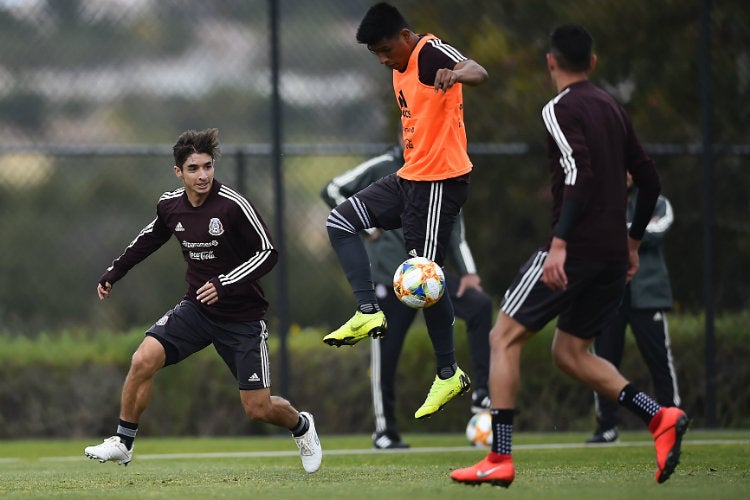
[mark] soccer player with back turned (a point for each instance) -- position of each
(580, 275)
(424, 197)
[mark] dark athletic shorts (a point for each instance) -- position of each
(185, 330)
(426, 210)
(590, 301)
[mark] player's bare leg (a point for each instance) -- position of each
(148, 359)
(573, 356)
(260, 405)
(507, 339)
(136, 393)
(667, 424)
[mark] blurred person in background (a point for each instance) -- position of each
(386, 251)
(644, 307)
(424, 197)
(227, 248)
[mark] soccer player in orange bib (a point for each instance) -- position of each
(424, 197)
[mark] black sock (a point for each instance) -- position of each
(639, 403)
(126, 431)
(447, 372)
(302, 426)
(369, 307)
(502, 430)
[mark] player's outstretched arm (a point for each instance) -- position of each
(470, 72)
(467, 72)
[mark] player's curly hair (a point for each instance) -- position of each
(381, 21)
(192, 141)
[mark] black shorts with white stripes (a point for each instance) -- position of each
(589, 302)
(426, 210)
(186, 330)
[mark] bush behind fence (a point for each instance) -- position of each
(71, 385)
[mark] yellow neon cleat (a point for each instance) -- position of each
(443, 391)
(359, 327)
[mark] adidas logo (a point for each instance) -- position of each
(179, 227)
(383, 442)
(610, 435)
(254, 378)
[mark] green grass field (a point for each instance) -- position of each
(714, 465)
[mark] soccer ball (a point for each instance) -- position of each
(419, 282)
(479, 429)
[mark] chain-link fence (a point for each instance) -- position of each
(93, 93)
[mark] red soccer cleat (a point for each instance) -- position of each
(495, 473)
(667, 427)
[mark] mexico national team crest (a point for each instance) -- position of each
(215, 227)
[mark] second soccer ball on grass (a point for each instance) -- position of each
(419, 282)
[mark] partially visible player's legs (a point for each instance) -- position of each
(244, 348)
(594, 306)
(450, 380)
(526, 297)
(651, 330)
(593, 293)
(136, 394)
(430, 210)
(667, 424)
(475, 308)
(344, 224)
(384, 358)
(609, 345)
(439, 320)
(260, 405)
(572, 355)
(507, 339)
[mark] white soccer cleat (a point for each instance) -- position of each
(309, 446)
(111, 449)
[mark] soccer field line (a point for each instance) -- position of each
(366, 451)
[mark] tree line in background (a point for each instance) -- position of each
(79, 73)
(657, 78)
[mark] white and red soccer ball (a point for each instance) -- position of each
(419, 282)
